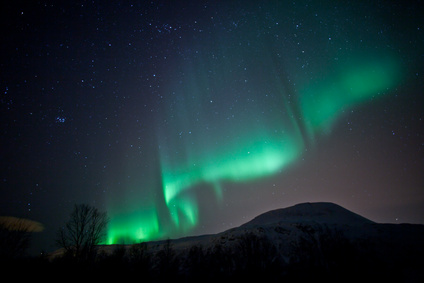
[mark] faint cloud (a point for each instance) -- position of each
(20, 224)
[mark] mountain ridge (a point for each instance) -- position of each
(307, 239)
(285, 227)
(318, 212)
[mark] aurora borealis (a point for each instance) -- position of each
(262, 148)
(181, 118)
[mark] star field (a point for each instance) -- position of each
(193, 117)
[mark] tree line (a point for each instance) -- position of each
(317, 254)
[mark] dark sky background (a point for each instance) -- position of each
(189, 117)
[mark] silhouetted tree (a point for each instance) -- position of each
(220, 263)
(324, 252)
(256, 256)
(196, 264)
(84, 230)
(167, 263)
(140, 259)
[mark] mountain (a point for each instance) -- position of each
(323, 238)
(307, 241)
(313, 221)
(320, 212)
(271, 224)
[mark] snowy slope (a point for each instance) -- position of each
(317, 231)
(309, 239)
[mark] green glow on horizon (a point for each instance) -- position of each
(131, 227)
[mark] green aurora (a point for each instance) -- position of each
(253, 153)
(241, 101)
(359, 81)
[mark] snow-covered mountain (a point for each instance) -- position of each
(324, 236)
(305, 220)
(306, 241)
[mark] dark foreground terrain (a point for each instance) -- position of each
(311, 241)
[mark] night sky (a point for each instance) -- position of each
(181, 118)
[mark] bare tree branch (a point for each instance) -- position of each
(84, 230)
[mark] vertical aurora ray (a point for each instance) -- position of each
(221, 131)
(134, 226)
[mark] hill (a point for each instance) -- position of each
(320, 212)
(306, 241)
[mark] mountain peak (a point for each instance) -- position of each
(319, 212)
